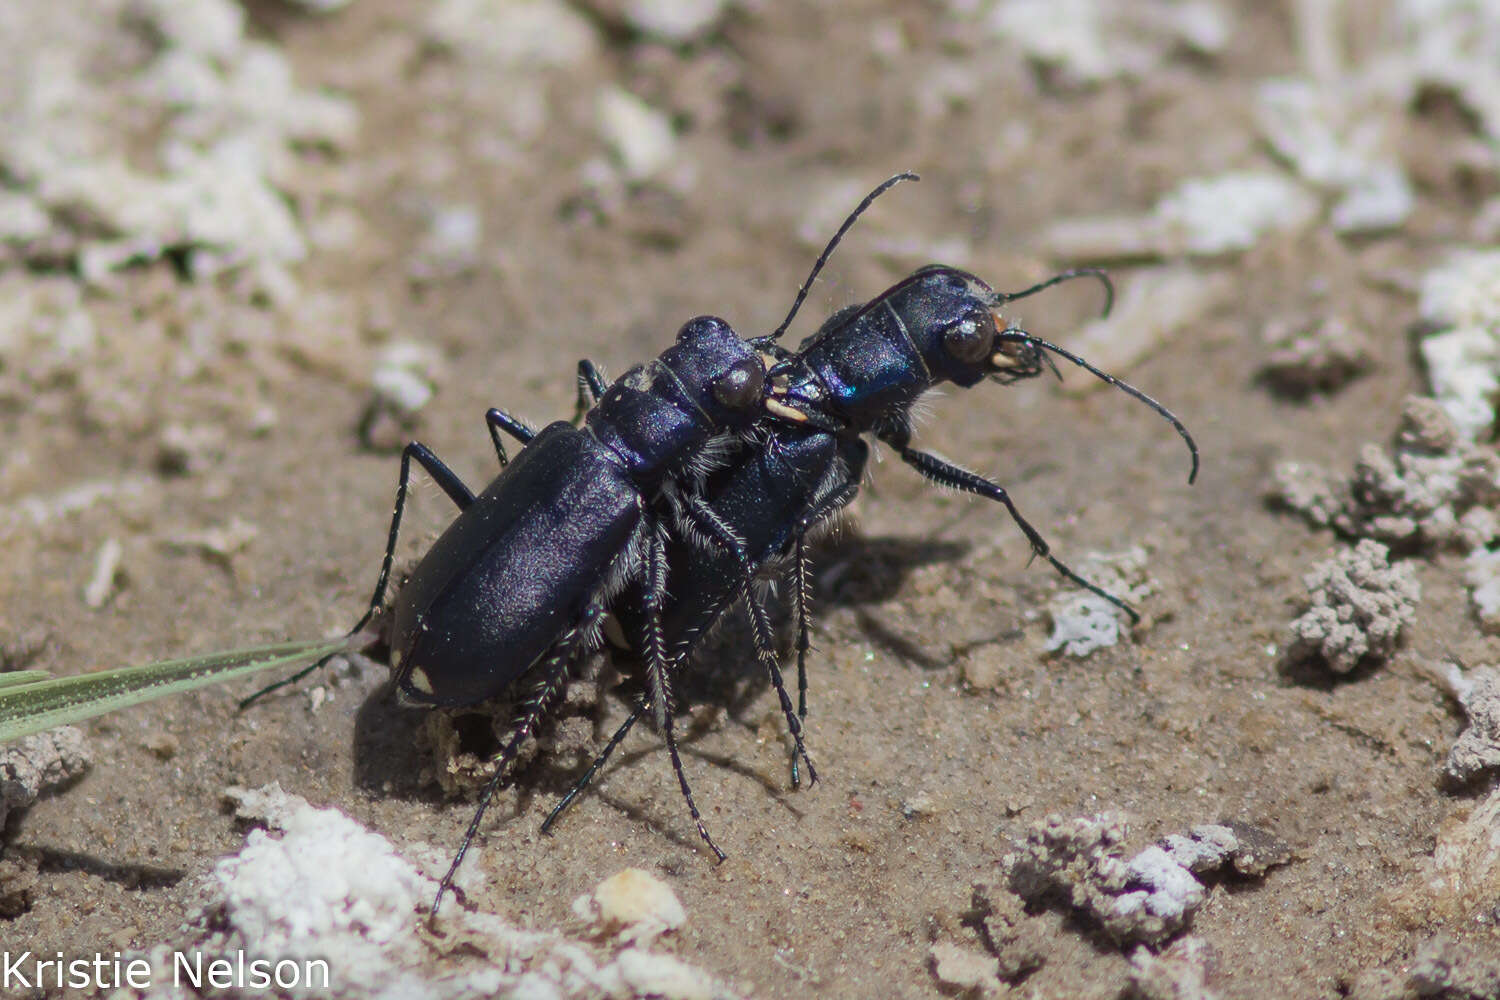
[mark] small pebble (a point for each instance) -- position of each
(633, 906)
(106, 568)
(640, 136)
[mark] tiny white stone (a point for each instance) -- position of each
(106, 567)
(640, 136)
(674, 20)
(633, 905)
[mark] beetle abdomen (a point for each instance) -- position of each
(514, 571)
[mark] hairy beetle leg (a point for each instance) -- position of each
(543, 693)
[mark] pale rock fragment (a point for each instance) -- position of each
(513, 36)
(633, 906)
(640, 136)
(1180, 972)
(965, 969)
(1083, 621)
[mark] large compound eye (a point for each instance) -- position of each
(741, 386)
(969, 340)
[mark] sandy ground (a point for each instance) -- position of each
(781, 116)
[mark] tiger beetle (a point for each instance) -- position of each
(699, 470)
(517, 587)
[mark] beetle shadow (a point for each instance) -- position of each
(851, 571)
(653, 753)
(390, 754)
(129, 876)
(1308, 669)
(857, 570)
(388, 758)
(865, 572)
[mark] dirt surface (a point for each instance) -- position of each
(234, 406)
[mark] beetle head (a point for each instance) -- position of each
(721, 375)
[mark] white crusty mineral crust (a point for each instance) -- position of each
(37, 764)
(1147, 898)
(1461, 302)
(1360, 604)
(1477, 749)
(314, 884)
(1202, 216)
(1085, 42)
(1432, 489)
(212, 179)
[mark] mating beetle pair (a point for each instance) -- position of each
(861, 373)
(691, 476)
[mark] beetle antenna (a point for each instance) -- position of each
(1129, 389)
(1059, 278)
(828, 250)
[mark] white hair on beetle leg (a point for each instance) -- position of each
(921, 408)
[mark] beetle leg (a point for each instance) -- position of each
(854, 454)
(706, 519)
(765, 647)
(655, 651)
(591, 388)
(461, 496)
(594, 768)
(554, 673)
(687, 793)
(946, 474)
(498, 420)
(802, 583)
(656, 673)
(802, 594)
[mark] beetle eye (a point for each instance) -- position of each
(741, 386)
(969, 339)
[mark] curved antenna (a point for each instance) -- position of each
(1059, 278)
(828, 251)
(1131, 390)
